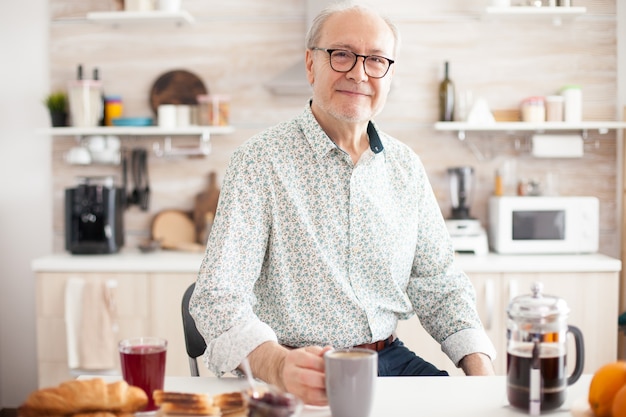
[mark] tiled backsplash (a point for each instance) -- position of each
(237, 47)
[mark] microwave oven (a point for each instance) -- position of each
(542, 225)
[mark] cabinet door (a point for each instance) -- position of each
(489, 306)
(488, 287)
(419, 341)
(593, 300)
(166, 296)
(52, 349)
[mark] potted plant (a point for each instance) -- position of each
(57, 106)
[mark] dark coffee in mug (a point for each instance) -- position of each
(553, 377)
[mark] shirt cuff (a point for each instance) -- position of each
(465, 342)
(226, 353)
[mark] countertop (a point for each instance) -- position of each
(483, 396)
(172, 261)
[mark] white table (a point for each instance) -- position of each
(411, 396)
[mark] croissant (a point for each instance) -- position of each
(84, 396)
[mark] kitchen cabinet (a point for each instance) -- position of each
(591, 296)
(151, 287)
(166, 293)
(148, 304)
(132, 317)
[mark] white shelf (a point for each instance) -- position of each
(157, 16)
(536, 11)
(461, 127)
(166, 150)
(137, 131)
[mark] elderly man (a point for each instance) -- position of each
(327, 232)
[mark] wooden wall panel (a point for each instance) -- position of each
(237, 47)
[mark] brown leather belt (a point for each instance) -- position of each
(377, 346)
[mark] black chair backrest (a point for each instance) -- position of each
(194, 342)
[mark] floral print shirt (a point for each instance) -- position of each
(308, 248)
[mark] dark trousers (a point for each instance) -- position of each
(397, 360)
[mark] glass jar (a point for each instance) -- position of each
(534, 110)
(213, 110)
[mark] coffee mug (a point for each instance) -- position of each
(350, 381)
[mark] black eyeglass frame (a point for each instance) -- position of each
(356, 58)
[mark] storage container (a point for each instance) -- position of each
(214, 110)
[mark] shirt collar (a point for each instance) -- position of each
(319, 140)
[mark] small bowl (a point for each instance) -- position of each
(149, 246)
(270, 401)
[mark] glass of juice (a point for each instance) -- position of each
(143, 364)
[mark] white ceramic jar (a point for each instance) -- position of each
(573, 106)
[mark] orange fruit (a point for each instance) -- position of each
(605, 383)
(619, 403)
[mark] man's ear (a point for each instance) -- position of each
(308, 61)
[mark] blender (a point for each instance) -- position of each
(468, 236)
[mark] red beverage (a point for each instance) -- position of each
(143, 365)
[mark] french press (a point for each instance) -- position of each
(537, 351)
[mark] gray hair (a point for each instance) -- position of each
(314, 33)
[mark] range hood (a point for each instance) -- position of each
(293, 80)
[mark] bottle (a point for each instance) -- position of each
(498, 187)
(113, 108)
(573, 101)
(446, 97)
(103, 116)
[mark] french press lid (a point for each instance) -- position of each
(537, 307)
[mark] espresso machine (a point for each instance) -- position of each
(94, 213)
(468, 236)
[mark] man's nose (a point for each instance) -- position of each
(358, 71)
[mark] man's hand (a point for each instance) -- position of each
(298, 371)
(476, 364)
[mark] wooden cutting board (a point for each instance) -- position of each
(174, 229)
(205, 208)
(176, 87)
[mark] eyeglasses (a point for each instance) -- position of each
(343, 61)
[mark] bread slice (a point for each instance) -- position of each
(185, 404)
(230, 403)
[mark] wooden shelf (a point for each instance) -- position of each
(117, 18)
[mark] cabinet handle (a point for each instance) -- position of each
(513, 289)
(111, 301)
(489, 302)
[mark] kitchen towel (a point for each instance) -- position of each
(73, 308)
(97, 347)
(91, 321)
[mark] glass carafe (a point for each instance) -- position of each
(537, 351)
